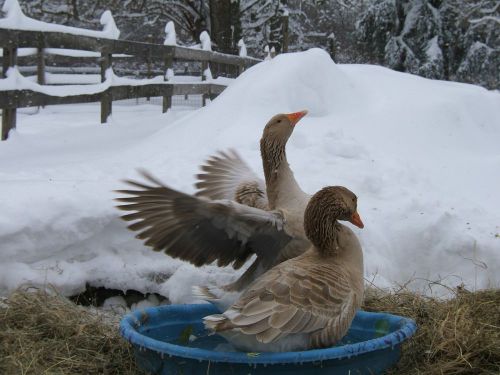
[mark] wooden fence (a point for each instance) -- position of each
(11, 40)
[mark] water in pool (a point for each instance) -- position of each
(194, 335)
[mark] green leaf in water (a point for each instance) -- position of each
(381, 327)
(184, 335)
(253, 355)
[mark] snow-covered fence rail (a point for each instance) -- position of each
(17, 92)
(21, 98)
(42, 39)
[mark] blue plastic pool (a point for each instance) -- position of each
(171, 339)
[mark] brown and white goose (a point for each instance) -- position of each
(215, 227)
(227, 176)
(309, 301)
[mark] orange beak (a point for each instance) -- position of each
(356, 220)
(296, 116)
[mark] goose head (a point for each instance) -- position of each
(328, 205)
(280, 127)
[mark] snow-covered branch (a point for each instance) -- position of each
(485, 19)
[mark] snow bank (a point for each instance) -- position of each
(421, 155)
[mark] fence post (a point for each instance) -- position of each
(149, 62)
(169, 65)
(186, 70)
(106, 99)
(242, 53)
(217, 68)
(204, 66)
(40, 66)
(8, 114)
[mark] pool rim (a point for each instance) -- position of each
(393, 339)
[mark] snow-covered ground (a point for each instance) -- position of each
(423, 156)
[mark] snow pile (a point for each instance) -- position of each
(421, 155)
(242, 48)
(170, 36)
(267, 52)
(16, 19)
(206, 42)
(109, 26)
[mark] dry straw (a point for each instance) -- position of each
(44, 333)
(460, 335)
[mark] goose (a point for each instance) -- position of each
(218, 223)
(309, 301)
(227, 176)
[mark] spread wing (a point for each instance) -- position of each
(295, 297)
(226, 176)
(200, 230)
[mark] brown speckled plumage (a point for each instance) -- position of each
(225, 175)
(207, 227)
(309, 301)
(197, 229)
(272, 149)
(320, 218)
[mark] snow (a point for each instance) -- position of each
(150, 301)
(170, 37)
(115, 304)
(207, 74)
(71, 52)
(169, 74)
(21, 52)
(85, 84)
(16, 81)
(268, 54)
(15, 19)
(69, 79)
(242, 48)
(433, 50)
(109, 26)
(486, 18)
(421, 155)
(86, 79)
(206, 43)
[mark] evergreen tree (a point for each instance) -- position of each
(448, 39)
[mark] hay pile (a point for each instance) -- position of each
(44, 333)
(456, 336)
